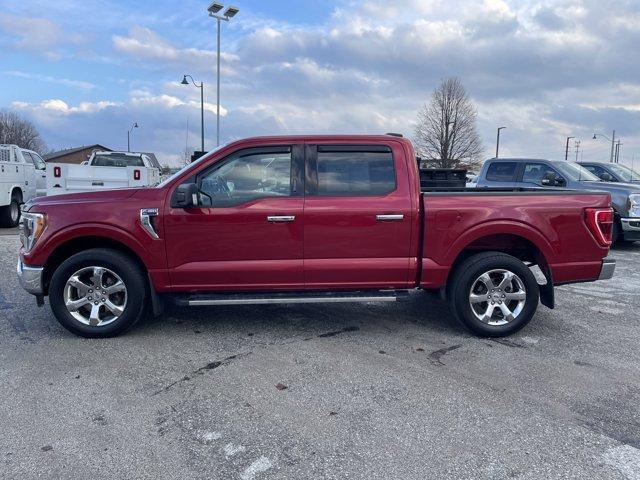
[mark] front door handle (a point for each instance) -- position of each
(281, 218)
(389, 218)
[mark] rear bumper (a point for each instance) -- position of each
(631, 228)
(608, 268)
(30, 278)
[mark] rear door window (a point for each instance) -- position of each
(355, 171)
(502, 172)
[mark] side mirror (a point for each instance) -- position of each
(605, 177)
(549, 179)
(186, 195)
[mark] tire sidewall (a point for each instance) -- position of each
(467, 276)
(119, 263)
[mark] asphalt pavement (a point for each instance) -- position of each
(372, 391)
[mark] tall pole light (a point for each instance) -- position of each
(214, 11)
(617, 156)
(201, 87)
(135, 125)
(612, 140)
(498, 141)
(566, 149)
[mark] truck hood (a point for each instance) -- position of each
(614, 187)
(83, 197)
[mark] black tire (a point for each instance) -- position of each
(464, 279)
(119, 263)
(8, 216)
(617, 235)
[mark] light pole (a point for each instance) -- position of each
(612, 140)
(227, 15)
(135, 125)
(617, 156)
(201, 87)
(498, 141)
(566, 149)
(448, 140)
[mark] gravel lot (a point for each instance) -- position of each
(331, 391)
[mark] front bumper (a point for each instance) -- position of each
(631, 228)
(30, 278)
(608, 268)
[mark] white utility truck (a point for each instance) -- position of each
(22, 177)
(103, 170)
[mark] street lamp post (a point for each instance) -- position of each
(226, 16)
(612, 140)
(498, 141)
(135, 125)
(566, 149)
(201, 87)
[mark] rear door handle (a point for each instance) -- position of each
(389, 218)
(281, 218)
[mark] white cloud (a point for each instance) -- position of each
(60, 107)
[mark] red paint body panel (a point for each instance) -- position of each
(335, 243)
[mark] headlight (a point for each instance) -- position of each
(31, 227)
(634, 205)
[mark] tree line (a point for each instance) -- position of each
(17, 130)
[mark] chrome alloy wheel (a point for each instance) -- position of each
(497, 297)
(95, 296)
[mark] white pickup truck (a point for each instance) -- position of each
(22, 177)
(103, 170)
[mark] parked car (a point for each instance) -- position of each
(103, 170)
(309, 220)
(22, 177)
(612, 172)
(523, 172)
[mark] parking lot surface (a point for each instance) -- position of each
(325, 391)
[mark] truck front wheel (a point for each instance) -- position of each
(98, 293)
(493, 294)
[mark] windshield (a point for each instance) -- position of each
(576, 173)
(117, 160)
(189, 166)
(625, 173)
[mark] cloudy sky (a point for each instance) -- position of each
(85, 70)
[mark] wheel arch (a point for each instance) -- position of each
(525, 248)
(79, 244)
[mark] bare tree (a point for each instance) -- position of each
(17, 130)
(446, 135)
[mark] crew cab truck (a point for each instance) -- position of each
(538, 173)
(22, 176)
(309, 219)
(103, 170)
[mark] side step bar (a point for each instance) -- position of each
(290, 297)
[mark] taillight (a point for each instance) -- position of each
(136, 174)
(600, 223)
(57, 172)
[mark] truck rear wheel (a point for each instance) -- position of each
(98, 293)
(10, 214)
(493, 294)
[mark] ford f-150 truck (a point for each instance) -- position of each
(309, 219)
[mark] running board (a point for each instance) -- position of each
(290, 297)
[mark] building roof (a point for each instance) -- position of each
(69, 151)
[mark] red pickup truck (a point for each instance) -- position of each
(309, 219)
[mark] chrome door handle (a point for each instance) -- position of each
(281, 218)
(389, 218)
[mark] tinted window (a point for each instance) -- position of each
(599, 171)
(245, 177)
(117, 161)
(502, 172)
(535, 172)
(355, 173)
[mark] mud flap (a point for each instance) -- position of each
(547, 291)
